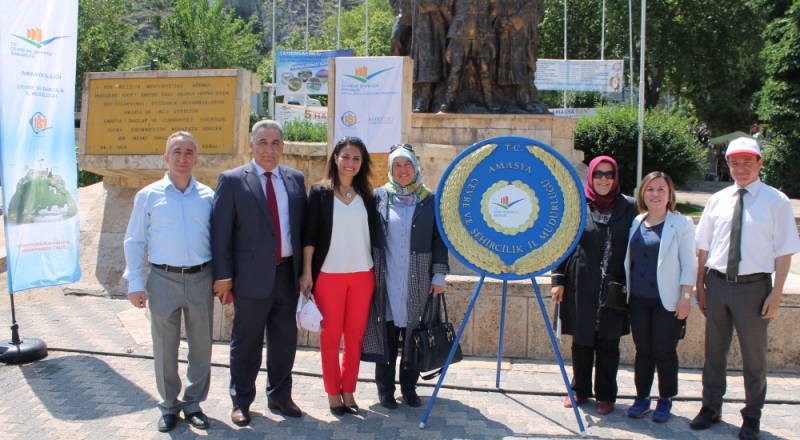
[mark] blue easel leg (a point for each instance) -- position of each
(502, 331)
(558, 356)
(452, 352)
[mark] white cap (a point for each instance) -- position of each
(743, 145)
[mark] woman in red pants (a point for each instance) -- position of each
(337, 263)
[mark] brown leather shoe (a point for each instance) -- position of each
(578, 399)
(240, 416)
(287, 408)
(605, 407)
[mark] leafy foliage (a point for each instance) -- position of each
(198, 36)
(782, 164)
(779, 98)
(668, 145)
(103, 37)
(704, 51)
(779, 103)
(305, 131)
(352, 35)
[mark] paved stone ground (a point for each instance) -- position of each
(78, 392)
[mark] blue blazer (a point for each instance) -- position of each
(243, 241)
(677, 259)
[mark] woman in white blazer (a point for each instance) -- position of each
(661, 268)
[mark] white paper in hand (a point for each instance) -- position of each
(308, 315)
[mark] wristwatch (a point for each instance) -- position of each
(687, 295)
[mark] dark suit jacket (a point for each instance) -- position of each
(243, 241)
(319, 225)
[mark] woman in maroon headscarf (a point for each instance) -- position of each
(577, 285)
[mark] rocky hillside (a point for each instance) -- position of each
(290, 15)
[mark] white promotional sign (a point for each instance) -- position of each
(580, 75)
(38, 45)
(369, 100)
(289, 112)
(573, 112)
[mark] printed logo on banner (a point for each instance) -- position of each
(381, 119)
(349, 118)
(38, 123)
(33, 36)
(362, 74)
(511, 207)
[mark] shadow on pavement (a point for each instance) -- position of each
(84, 388)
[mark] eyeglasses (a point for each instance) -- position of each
(350, 139)
(408, 147)
(597, 174)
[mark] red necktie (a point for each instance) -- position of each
(272, 203)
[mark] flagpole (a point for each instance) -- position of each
(338, 24)
(307, 1)
(630, 43)
(565, 48)
(640, 149)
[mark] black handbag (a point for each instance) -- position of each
(615, 295)
(432, 340)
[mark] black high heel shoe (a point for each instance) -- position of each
(352, 409)
(337, 410)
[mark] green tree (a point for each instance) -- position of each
(704, 51)
(352, 35)
(779, 99)
(198, 36)
(104, 38)
(668, 145)
(782, 164)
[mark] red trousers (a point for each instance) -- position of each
(343, 299)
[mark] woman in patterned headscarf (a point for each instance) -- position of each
(411, 266)
(577, 285)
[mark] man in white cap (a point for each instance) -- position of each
(747, 233)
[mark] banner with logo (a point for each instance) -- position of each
(305, 71)
(288, 112)
(580, 75)
(369, 99)
(573, 112)
(38, 44)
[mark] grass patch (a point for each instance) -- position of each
(689, 209)
(305, 131)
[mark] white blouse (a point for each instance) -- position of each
(350, 245)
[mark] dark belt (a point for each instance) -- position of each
(284, 260)
(741, 278)
(181, 269)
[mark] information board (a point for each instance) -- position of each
(136, 115)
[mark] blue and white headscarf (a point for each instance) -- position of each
(412, 193)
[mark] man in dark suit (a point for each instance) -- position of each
(255, 242)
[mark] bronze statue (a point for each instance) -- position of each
(431, 20)
(471, 42)
(517, 26)
(401, 31)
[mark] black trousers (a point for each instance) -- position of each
(384, 373)
(274, 315)
(656, 332)
(604, 357)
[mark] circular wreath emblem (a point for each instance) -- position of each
(510, 207)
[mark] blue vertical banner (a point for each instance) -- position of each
(38, 45)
